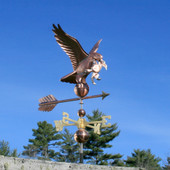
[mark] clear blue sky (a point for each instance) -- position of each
(136, 47)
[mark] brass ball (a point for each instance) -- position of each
(81, 136)
(81, 113)
(81, 89)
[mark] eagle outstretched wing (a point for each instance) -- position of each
(70, 45)
(95, 47)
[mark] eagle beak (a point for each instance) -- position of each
(103, 64)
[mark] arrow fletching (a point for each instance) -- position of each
(44, 103)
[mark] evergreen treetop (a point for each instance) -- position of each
(143, 159)
(45, 137)
(94, 147)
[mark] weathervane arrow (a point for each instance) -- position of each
(49, 102)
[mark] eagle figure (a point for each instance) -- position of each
(82, 62)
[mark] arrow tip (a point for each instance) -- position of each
(104, 95)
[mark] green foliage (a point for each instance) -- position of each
(47, 140)
(5, 150)
(94, 147)
(118, 162)
(143, 159)
(69, 149)
(41, 145)
(167, 166)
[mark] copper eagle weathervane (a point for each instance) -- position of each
(83, 64)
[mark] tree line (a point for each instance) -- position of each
(48, 144)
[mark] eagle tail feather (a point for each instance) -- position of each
(70, 78)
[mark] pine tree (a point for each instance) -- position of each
(94, 147)
(69, 149)
(6, 151)
(143, 159)
(167, 166)
(45, 137)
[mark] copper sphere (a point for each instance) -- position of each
(81, 89)
(81, 113)
(81, 136)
